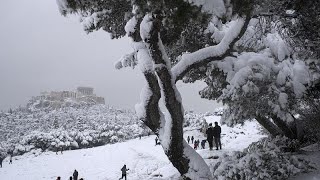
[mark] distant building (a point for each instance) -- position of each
(85, 90)
(83, 94)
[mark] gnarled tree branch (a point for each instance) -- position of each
(222, 50)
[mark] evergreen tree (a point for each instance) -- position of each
(156, 27)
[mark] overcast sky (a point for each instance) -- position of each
(40, 50)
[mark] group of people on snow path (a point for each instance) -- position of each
(213, 133)
(73, 177)
(196, 144)
(75, 174)
(188, 139)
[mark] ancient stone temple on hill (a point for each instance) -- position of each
(84, 94)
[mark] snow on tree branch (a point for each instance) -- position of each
(145, 27)
(128, 60)
(187, 60)
(63, 7)
(145, 96)
(131, 25)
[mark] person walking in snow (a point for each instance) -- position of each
(58, 178)
(203, 143)
(196, 144)
(10, 160)
(217, 135)
(192, 139)
(70, 178)
(75, 175)
(124, 172)
(156, 140)
(188, 139)
(209, 133)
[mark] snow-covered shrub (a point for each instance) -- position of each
(114, 139)
(3, 152)
(261, 160)
(42, 126)
(192, 119)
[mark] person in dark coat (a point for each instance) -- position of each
(61, 149)
(203, 143)
(209, 133)
(10, 160)
(156, 140)
(217, 135)
(58, 178)
(192, 139)
(124, 172)
(70, 178)
(188, 139)
(195, 145)
(75, 175)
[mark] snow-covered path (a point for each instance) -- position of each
(142, 157)
(145, 160)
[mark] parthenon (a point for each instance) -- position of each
(81, 94)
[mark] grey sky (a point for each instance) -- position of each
(40, 50)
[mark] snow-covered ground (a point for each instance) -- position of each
(142, 157)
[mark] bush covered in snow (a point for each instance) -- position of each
(193, 120)
(70, 127)
(261, 160)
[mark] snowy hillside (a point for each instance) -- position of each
(142, 157)
(70, 127)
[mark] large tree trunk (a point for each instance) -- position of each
(182, 156)
(289, 130)
(269, 126)
(152, 119)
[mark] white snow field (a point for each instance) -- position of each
(145, 160)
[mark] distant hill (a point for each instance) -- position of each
(71, 125)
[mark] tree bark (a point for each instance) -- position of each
(269, 126)
(177, 151)
(152, 119)
(287, 129)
